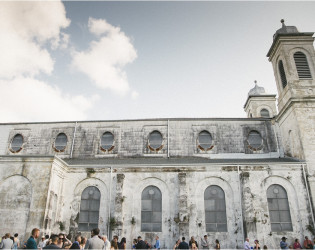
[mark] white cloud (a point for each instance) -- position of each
(27, 99)
(103, 62)
(25, 28)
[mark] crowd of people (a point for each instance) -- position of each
(97, 241)
(307, 244)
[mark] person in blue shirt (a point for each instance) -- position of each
(157, 243)
(283, 244)
(31, 243)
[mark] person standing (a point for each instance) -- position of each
(204, 242)
(41, 243)
(76, 243)
(31, 243)
(217, 244)
(183, 244)
(297, 244)
(106, 243)
(141, 244)
(192, 240)
(246, 244)
(94, 242)
(157, 243)
(16, 243)
(307, 243)
(54, 241)
(283, 243)
(6, 243)
(257, 245)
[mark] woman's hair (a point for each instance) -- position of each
(296, 240)
(217, 241)
(123, 240)
(135, 241)
(16, 235)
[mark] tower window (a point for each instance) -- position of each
(107, 141)
(264, 113)
(282, 74)
(89, 209)
(61, 142)
(16, 144)
(279, 210)
(302, 67)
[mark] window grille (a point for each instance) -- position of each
(107, 140)
(279, 210)
(282, 74)
(215, 210)
(151, 210)
(254, 139)
(17, 142)
(89, 209)
(155, 139)
(302, 67)
(264, 113)
(205, 139)
(61, 142)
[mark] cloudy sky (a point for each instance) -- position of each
(130, 60)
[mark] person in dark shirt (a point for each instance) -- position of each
(183, 244)
(141, 244)
(31, 243)
(54, 241)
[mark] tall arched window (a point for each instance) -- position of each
(279, 210)
(282, 74)
(89, 209)
(301, 64)
(215, 209)
(151, 210)
(264, 113)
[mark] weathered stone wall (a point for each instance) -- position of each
(229, 137)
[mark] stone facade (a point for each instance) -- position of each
(41, 185)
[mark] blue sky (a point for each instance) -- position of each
(129, 60)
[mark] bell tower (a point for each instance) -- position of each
(260, 104)
(293, 59)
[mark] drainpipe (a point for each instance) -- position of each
(110, 198)
(72, 146)
(308, 193)
(168, 138)
(239, 186)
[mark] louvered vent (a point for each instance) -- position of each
(282, 74)
(302, 66)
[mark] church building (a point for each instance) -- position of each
(229, 178)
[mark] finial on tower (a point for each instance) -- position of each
(255, 83)
(282, 21)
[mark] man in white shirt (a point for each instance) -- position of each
(246, 244)
(41, 243)
(6, 243)
(106, 243)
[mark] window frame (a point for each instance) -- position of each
(54, 144)
(278, 211)
(298, 66)
(109, 148)
(153, 213)
(251, 147)
(215, 211)
(199, 144)
(89, 211)
(155, 149)
(21, 146)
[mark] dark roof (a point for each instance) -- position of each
(172, 161)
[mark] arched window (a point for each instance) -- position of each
(282, 74)
(151, 210)
(264, 113)
(215, 209)
(89, 209)
(301, 64)
(279, 210)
